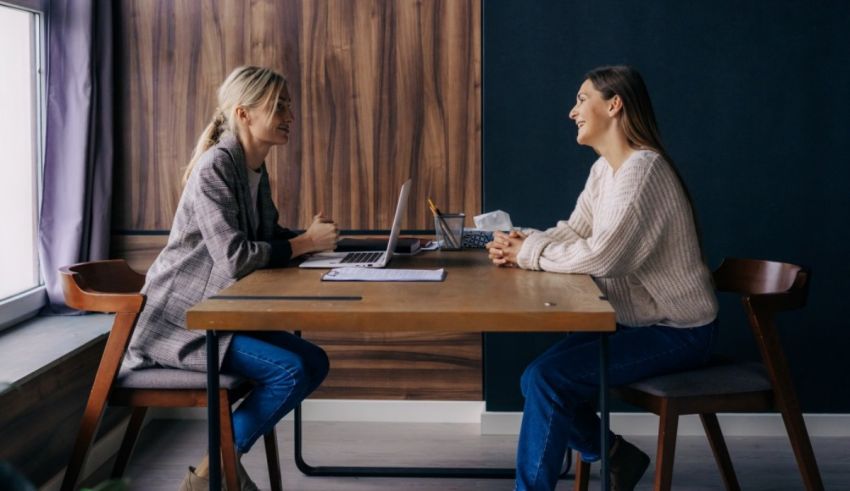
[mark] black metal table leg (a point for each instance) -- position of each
(603, 407)
(423, 472)
(213, 423)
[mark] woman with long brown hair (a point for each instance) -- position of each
(633, 230)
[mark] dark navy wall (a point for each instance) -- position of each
(752, 99)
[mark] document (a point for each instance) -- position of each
(383, 274)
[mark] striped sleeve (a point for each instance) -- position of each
(621, 237)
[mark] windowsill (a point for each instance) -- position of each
(40, 343)
(18, 308)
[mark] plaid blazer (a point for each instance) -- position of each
(212, 244)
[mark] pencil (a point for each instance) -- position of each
(447, 232)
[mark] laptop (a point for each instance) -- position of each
(364, 259)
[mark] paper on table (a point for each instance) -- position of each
(369, 274)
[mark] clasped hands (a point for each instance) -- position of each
(505, 247)
(321, 235)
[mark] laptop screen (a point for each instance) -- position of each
(399, 212)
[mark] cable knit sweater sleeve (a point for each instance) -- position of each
(618, 235)
(633, 231)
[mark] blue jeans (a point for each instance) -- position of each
(285, 369)
(560, 385)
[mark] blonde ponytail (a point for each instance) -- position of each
(209, 137)
(248, 87)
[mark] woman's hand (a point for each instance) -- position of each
(504, 248)
(321, 235)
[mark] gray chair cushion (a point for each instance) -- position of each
(711, 380)
(170, 378)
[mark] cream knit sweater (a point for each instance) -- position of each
(633, 231)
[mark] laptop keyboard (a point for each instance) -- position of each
(361, 257)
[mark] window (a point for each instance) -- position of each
(21, 95)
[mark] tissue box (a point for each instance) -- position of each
(494, 220)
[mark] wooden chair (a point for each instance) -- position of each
(766, 288)
(111, 286)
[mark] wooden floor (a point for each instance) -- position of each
(167, 447)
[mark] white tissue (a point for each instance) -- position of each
(494, 220)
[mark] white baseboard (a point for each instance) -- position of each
(733, 424)
(344, 410)
(393, 411)
(507, 423)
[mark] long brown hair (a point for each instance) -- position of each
(637, 118)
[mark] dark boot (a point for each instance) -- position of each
(628, 463)
(245, 481)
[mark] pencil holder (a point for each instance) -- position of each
(449, 227)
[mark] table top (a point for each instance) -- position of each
(475, 296)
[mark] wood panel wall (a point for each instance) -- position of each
(382, 90)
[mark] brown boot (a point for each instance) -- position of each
(628, 464)
(194, 482)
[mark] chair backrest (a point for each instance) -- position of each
(787, 284)
(766, 287)
(106, 286)
(102, 286)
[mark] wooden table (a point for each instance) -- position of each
(475, 296)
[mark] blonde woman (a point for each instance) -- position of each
(225, 228)
(633, 230)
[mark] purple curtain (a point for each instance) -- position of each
(77, 192)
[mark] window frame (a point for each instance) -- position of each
(27, 303)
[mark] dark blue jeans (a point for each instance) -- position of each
(285, 369)
(560, 385)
